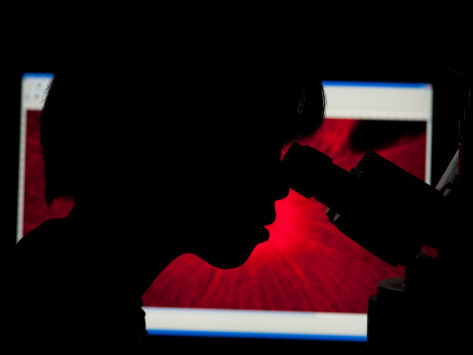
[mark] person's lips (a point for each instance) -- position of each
(264, 234)
(260, 234)
(269, 217)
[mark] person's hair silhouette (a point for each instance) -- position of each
(161, 157)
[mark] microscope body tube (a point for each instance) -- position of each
(312, 174)
(380, 206)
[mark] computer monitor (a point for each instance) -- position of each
(308, 281)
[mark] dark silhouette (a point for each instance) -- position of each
(164, 155)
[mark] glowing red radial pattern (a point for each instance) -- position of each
(307, 264)
(35, 209)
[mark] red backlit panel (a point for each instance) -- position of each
(306, 265)
(35, 209)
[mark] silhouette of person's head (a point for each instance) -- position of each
(178, 153)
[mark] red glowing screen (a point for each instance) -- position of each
(306, 265)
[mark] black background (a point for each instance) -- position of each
(447, 70)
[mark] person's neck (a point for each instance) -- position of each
(129, 250)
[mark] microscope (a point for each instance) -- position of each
(400, 218)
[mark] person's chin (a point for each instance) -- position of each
(235, 254)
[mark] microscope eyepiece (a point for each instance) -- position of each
(377, 204)
(313, 174)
